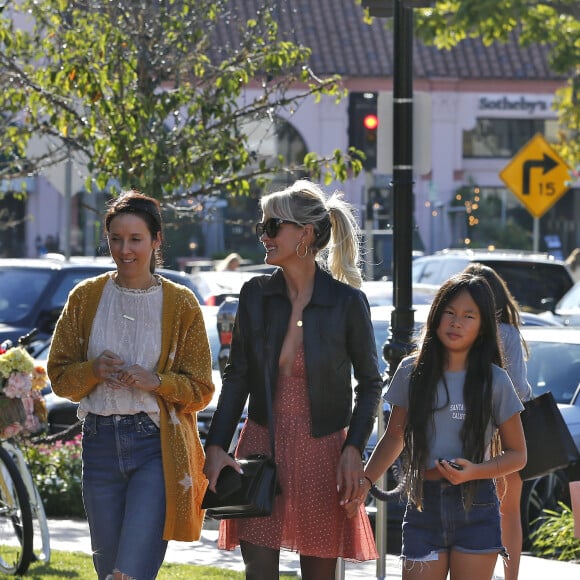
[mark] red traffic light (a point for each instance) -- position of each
(371, 122)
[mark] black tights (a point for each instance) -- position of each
(264, 564)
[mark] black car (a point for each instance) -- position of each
(34, 291)
(536, 280)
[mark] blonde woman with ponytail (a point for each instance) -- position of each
(310, 324)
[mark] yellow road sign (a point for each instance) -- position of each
(537, 175)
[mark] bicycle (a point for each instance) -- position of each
(24, 533)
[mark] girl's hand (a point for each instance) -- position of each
(455, 471)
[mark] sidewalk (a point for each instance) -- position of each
(73, 536)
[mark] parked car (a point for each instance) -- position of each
(553, 365)
(537, 281)
(380, 292)
(567, 309)
(34, 291)
(214, 287)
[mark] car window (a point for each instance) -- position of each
(68, 280)
(554, 367)
(536, 286)
(20, 290)
(436, 270)
(571, 300)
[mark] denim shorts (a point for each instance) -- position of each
(124, 494)
(445, 525)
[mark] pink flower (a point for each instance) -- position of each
(18, 385)
(32, 423)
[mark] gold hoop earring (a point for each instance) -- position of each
(301, 256)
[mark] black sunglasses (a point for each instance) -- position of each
(271, 227)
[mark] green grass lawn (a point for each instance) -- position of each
(79, 566)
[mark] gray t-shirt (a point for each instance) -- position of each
(515, 362)
(444, 434)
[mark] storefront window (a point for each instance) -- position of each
(503, 138)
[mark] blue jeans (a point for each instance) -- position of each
(124, 494)
(445, 524)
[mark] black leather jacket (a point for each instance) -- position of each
(338, 336)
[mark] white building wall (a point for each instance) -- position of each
(324, 128)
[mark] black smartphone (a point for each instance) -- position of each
(452, 464)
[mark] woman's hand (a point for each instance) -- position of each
(107, 365)
(350, 478)
(352, 507)
(215, 460)
(139, 378)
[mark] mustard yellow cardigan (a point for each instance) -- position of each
(186, 387)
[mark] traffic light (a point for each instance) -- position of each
(363, 123)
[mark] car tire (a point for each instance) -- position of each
(542, 493)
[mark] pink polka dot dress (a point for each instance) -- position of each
(307, 517)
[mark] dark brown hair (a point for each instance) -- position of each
(143, 206)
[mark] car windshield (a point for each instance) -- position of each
(20, 290)
(571, 300)
(536, 286)
(554, 367)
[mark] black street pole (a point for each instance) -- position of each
(402, 317)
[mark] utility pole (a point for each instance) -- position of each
(402, 317)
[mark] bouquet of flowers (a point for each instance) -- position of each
(22, 407)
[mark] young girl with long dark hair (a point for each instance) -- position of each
(455, 417)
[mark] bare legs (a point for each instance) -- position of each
(511, 523)
(459, 565)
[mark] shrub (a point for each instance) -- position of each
(554, 538)
(57, 471)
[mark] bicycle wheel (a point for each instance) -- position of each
(15, 519)
(41, 541)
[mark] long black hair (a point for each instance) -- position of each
(429, 370)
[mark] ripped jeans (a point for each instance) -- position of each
(124, 494)
(445, 525)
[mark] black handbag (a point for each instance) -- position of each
(251, 494)
(247, 495)
(548, 440)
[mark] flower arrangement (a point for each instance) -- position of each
(57, 471)
(22, 407)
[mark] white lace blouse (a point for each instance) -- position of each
(128, 323)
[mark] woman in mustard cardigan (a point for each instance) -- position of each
(131, 348)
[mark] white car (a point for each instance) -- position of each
(567, 310)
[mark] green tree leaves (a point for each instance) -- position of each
(552, 22)
(149, 94)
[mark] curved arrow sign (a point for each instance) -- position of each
(537, 176)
